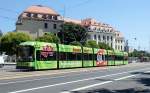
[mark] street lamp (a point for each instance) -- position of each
(63, 23)
(133, 58)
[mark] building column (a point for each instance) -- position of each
(92, 36)
(97, 38)
(113, 43)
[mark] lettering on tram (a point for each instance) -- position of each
(100, 58)
(85, 50)
(46, 54)
(47, 51)
(76, 50)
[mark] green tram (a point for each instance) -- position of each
(41, 55)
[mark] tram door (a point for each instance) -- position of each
(101, 60)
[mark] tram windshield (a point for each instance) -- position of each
(25, 54)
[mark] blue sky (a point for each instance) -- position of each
(131, 17)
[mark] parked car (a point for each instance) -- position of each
(1, 61)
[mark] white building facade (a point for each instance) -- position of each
(119, 40)
(99, 32)
(38, 20)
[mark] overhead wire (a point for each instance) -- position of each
(76, 5)
(8, 10)
(79, 4)
(8, 18)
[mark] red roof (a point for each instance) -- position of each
(41, 10)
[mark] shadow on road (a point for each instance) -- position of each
(145, 79)
(131, 90)
(17, 70)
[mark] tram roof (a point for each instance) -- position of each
(36, 43)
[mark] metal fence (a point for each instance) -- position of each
(137, 59)
(10, 59)
(133, 59)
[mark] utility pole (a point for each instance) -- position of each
(149, 46)
(139, 48)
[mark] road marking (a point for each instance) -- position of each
(45, 74)
(124, 77)
(48, 74)
(58, 84)
(98, 84)
(47, 78)
(65, 92)
(30, 75)
(79, 70)
(147, 71)
(29, 80)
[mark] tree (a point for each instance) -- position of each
(11, 40)
(76, 43)
(137, 53)
(72, 32)
(48, 37)
(1, 33)
(92, 44)
(104, 46)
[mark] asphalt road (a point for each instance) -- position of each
(132, 78)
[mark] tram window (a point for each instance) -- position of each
(62, 56)
(106, 57)
(52, 56)
(71, 56)
(95, 56)
(78, 56)
(110, 57)
(45, 55)
(90, 56)
(85, 56)
(118, 57)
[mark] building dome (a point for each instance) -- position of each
(39, 9)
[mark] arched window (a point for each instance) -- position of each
(99, 37)
(111, 38)
(95, 37)
(28, 14)
(44, 16)
(103, 37)
(49, 17)
(55, 17)
(107, 38)
(35, 15)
